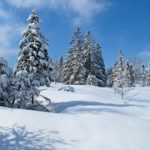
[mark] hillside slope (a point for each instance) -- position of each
(90, 118)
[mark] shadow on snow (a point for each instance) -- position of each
(140, 100)
(63, 106)
(18, 138)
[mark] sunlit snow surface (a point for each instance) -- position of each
(90, 118)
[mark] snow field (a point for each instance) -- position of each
(90, 118)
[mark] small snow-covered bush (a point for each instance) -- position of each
(67, 88)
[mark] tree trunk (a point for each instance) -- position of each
(32, 99)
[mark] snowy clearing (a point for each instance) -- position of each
(91, 118)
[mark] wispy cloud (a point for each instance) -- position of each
(8, 34)
(4, 15)
(10, 29)
(79, 10)
(145, 53)
(7, 52)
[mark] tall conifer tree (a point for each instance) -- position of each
(73, 69)
(33, 66)
(33, 56)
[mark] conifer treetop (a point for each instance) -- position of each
(120, 54)
(33, 18)
(120, 59)
(88, 37)
(77, 38)
(89, 41)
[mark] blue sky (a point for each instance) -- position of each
(115, 24)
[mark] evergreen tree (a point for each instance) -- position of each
(143, 76)
(118, 73)
(100, 66)
(33, 56)
(88, 51)
(122, 76)
(148, 77)
(73, 69)
(110, 77)
(58, 70)
(84, 63)
(5, 82)
(129, 75)
(136, 65)
(33, 67)
(24, 91)
(94, 62)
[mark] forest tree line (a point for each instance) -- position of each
(83, 65)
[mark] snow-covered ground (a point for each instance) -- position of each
(90, 118)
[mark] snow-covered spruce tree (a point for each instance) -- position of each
(99, 66)
(119, 83)
(110, 77)
(5, 82)
(129, 75)
(148, 76)
(136, 65)
(24, 92)
(58, 70)
(88, 51)
(33, 56)
(54, 71)
(118, 72)
(122, 77)
(33, 67)
(73, 69)
(93, 62)
(143, 76)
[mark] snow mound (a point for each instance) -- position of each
(67, 88)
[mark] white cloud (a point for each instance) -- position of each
(9, 32)
(10, 29)
(79, 10)
(4, 15)
(7, 52)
